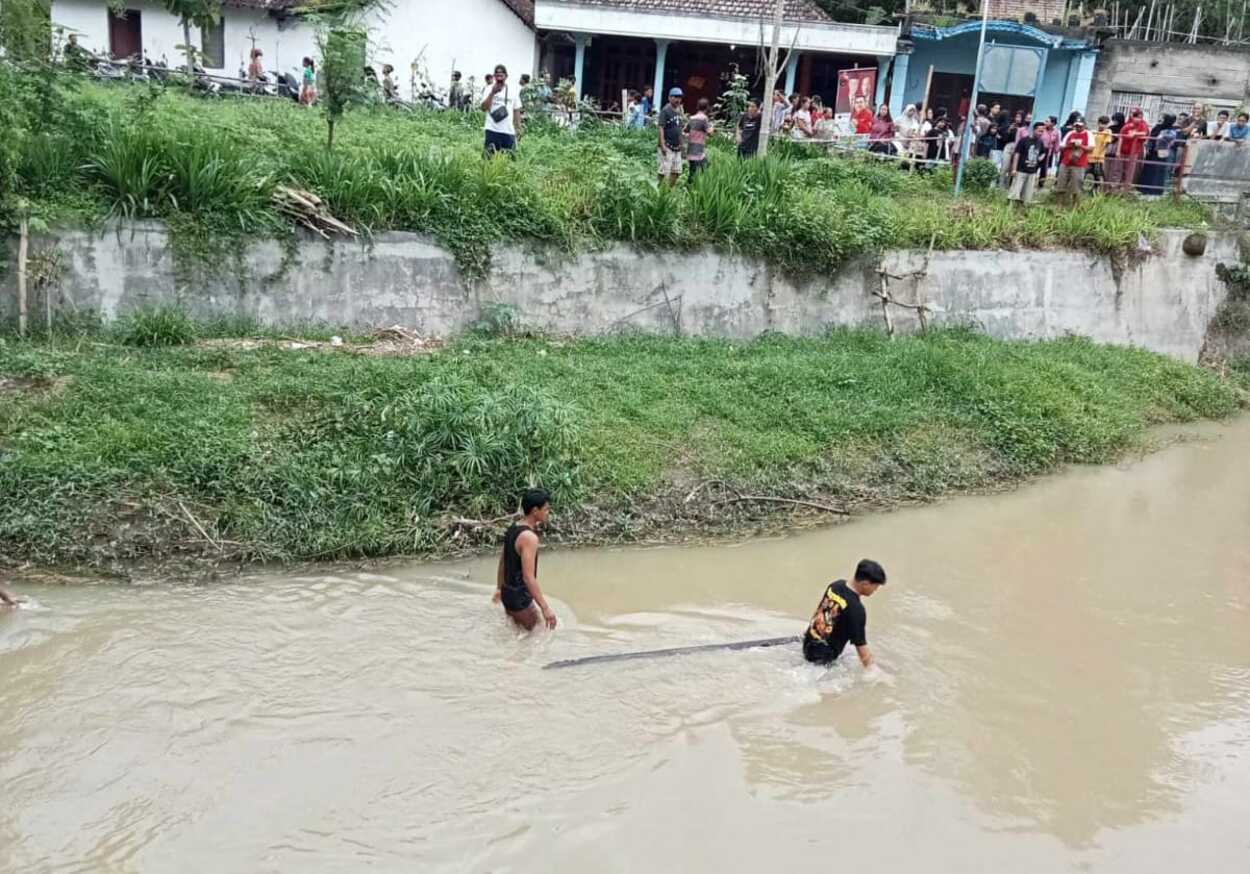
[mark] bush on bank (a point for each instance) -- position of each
(209, 166)
(285, 454)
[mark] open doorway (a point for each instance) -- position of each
(952, 92)
(125, 34)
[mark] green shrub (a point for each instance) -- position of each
(154, 327)
(980, 175)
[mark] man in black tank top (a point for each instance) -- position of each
(517, 580)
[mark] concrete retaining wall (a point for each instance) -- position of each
(1163, 302)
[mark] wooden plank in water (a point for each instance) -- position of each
(678, 650)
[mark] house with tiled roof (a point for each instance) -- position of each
(611, 45)
(439, 36)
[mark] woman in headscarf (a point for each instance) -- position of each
(1113, 167)
(907, 139)
(1154, 170)
(881, 134)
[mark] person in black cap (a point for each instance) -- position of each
(670, 124)
(840, 617)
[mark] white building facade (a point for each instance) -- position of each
(439, 36)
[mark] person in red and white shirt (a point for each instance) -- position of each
(1133, 138)
(1073, 159)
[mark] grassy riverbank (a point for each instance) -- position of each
(117, 452)
(209, 168)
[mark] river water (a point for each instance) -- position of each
(1064, 685)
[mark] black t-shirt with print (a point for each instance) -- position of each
(839, 619)
(750, 129)
(671, 123)
(1029, 154)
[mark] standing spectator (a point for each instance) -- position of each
(1050, 139)
(987, 142)
(1102, 138)
(698, 128)
(801, 122)
(907, 136)
(1026, 127)
(881, 134)
(463, 92)
(1026, 161)
(749, 130)
(648, 102)
(488, 84)
(1133, 138)
(1007, 138)
(670, 125)
(456, 93)
(1239, 132)
(861, 117)
(981, 122)
(634, 117)
(780, 109)
(503, 115)
(255, 67)
(1113, 165)
(1158, 156)
(1073, 161)
(308, 85)
(390, 93)
(1219, 130)
(1198, 127)
(1069, 124)
(941, 140)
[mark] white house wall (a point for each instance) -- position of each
(468, 35)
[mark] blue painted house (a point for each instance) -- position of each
(1024, 68)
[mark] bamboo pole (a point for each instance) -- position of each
(23, 244)
(1149, 20)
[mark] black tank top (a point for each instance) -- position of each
(512, 576)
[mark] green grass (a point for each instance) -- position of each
(290, 455)
(209, 168)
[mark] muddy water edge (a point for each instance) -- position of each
(1064, 686)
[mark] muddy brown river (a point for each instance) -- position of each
(1064, 685)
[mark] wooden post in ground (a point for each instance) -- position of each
(23, 244)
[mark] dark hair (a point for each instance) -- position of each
(1038, 124)
(1102, 119)
(499, 68)
(1223, 112)
(525, 78)
(1243, 115)
(753, 102)
(704, 103)
(388, 68)
(868, 571)
(308, 62)
(533, 499)
(455, 74)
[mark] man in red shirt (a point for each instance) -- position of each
(1073, 159)
(1132, 142)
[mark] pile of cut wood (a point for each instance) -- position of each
(307, 209)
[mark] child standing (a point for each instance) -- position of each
(697, 130)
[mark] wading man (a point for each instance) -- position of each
(517, 580)
(841, 619)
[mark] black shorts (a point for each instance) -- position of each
(516, 599)
(818, 651)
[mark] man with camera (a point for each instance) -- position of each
(503, 114)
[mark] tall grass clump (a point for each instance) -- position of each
(154, 327)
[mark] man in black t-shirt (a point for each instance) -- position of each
(840, 617)
(1028, 157)
(670, 124)
(749, 130)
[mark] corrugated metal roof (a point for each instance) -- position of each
(796, 10)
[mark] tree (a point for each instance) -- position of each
(342, 71)
(773, 62)
(201, 13)
(25, 30)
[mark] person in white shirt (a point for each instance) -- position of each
(503, 114)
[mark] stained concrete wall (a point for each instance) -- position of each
(1198, 73)
(1162, 302)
